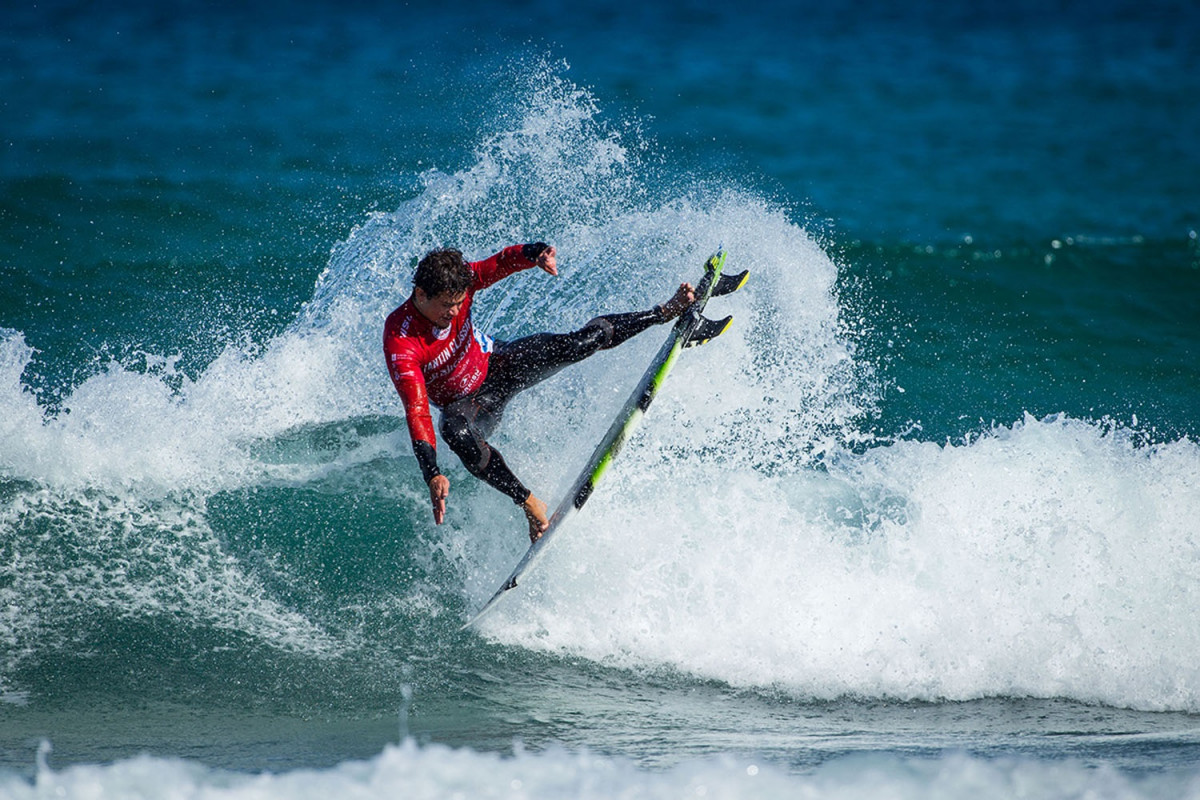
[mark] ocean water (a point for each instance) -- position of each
(923, 523)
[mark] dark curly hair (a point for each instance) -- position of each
(443, 271)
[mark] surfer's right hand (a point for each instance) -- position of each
(439, 490)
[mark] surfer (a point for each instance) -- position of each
(436, 356)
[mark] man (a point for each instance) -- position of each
(436, 356)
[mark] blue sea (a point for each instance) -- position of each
(925, 522)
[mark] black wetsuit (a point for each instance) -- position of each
(514, 367)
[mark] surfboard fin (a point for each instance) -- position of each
(708, 329)
(728, 284)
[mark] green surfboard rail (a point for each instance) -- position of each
(652, 381)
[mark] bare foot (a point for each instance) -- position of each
(535, 512)
(685, 295)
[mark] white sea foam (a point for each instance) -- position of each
(126, 430)
(1049, 558)
(439, 772)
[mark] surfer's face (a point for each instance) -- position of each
(441, 309)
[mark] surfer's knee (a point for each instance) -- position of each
(611, 330)
(482, 460)
(465, 442)
(597, 334)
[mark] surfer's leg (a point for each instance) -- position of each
(520, 364)
(459, 431)
(517, 365)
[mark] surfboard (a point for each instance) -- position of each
(690, 329)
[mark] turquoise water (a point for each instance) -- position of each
(924, 519)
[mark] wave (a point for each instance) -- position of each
(757, 532)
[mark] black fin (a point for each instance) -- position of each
(708, 329)
(728, 284)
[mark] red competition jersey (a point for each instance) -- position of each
(441, 365)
